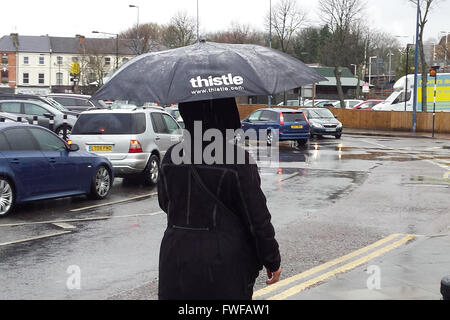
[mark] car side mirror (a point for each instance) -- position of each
(246, 120)
(336, 116)
(74, 147)
(48, 115)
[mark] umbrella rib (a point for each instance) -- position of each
(172, 74)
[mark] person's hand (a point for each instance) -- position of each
(273, 276)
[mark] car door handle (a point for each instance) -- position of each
(157, 138)
(15, 161)
(52, 160)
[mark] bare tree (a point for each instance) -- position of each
(425, 8)
(287, 20)
(149, 37)
(238, 33)
(181, 31)
(343, 19)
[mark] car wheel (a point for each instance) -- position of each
(7, 197)
(151, 172)
(338, 136)
(60, 131)
(101, 183)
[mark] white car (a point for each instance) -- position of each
(349, 104)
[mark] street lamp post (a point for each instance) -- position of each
(445, 49)
(117, 45)
(390, 54)
(416, 68)
(269, 99)
(370, 69)
(138, 41)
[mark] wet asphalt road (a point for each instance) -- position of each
(327, 199)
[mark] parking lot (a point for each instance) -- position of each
(327, 199)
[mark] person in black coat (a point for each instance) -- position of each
(219, 233)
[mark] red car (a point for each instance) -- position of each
(367, 105)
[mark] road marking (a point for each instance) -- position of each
(289, 177)
(347, 267)
(82, 219)
(447, 175)
(64, 225)
(322, 267)
(115, 202)
(34, 238)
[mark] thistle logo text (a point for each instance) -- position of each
(211, 81)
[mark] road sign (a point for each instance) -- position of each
(75, 68)
(365, 88)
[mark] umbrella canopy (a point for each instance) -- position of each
(204, 71)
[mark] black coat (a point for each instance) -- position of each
(207, 252)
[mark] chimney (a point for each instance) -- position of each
(15, 40)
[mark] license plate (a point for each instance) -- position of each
(297, 127)
(101, 148)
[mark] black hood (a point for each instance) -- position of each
(221, 114)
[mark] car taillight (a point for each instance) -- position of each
(69, 142)
(306, 117)
(135, 147)
(281, 119)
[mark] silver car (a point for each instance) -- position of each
(134, 140)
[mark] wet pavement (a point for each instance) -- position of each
(328, 199)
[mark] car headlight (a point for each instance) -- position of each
(317, 125)
(339, 125)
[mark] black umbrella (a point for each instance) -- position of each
(207, 70)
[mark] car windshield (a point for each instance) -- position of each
(55, 104)
(320, 114)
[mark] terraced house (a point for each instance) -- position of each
(42, 64)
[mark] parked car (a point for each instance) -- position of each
(134, 140)
(367, 105)
(309, 102)
(42, 99)
(30, 108)
(290, 103)
(323, 122)
(175, 113)
(290, 123)
(349, 104)
(76, 102)
(9, 117)
(36, 164)
(326, 104)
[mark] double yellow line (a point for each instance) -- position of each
(293, 290)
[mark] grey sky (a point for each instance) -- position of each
(67, 18)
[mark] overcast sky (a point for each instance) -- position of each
(67, 18)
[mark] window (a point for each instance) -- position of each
(26, 78)
(4, 145)
(20, 139)
(47, 141)
(41, 78)
(5, 78)
(92, 77)
(172, 126)
(59, 78)
(11, 107)
(110, 123)
(4, 58)
(41, 60)
(59, 60)
(268, 116)
(294, 117)
(255, 116)
(34, 110)
(107, 61)
(74, 59)
(67, 102)
(82, 103)
(159, 125)
(26, 60)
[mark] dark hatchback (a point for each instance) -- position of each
(291, 125)
(36, 164)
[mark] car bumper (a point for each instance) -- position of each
(132, 164)
(325, 131)
(293, 136)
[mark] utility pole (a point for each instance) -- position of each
(416, 68)
(198, 24)
(269, 98)
(138, 41)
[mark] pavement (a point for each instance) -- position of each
(385, 270)
(402, 134)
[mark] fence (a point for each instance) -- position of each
(378, 120)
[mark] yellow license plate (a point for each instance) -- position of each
(101, 148)
(297, 127)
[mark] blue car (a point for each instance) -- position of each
(290, 123)
(36, 164)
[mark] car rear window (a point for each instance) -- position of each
(110, 123)
(294, 117)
